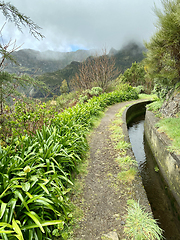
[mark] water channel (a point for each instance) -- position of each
(164, 206)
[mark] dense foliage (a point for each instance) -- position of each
(163, 55)
(123, 60)
(36, 168)
(134, 75)
(140, 224)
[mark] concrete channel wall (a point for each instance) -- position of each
(136, 109)
(168, 163)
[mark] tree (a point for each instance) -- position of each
(96, 71)
(134, 75)
(64, 87)
(163, 56)
(9, 83)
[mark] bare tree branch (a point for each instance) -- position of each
(98, 71)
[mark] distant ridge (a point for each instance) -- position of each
(36, 63)
(123, 60)
(53, 67)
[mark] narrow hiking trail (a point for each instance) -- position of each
(104, 198)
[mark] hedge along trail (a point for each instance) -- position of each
(36, 171)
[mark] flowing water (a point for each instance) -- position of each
(164, 206)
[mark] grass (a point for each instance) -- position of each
(168, 125)
(117, 133)
(127, 164)
(147, 96)
(125, 161)
(171, 126)
(127, 175)
(122, 145)
(140, 225)
(155, 106)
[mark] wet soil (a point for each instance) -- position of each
(104, 198)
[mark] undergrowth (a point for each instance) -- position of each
(127, 164)
(171, 127)
(140, 225)
(168, 125)
(38, 165)
(155, 106)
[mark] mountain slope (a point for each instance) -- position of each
(37, 63)
(123, 60)
(128, 55)
(53, 80)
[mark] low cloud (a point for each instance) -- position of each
(68, 24)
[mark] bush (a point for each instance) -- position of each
(140, 224)
(37, 169)
(89, 93)
(140, 89)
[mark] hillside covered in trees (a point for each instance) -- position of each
(36, 63)
(123, 59)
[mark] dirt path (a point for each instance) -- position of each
(104, 198)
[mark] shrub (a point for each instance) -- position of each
(140, 225)
(36, 169)
(89, 93)
(140, 89)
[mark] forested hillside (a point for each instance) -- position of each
(123, 59)
(36, 63)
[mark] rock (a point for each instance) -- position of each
(122, 223)
(171, 105)
(110, 236)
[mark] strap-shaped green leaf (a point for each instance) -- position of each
(17, 229)
(44, 223)
(36, 219)
(44, 187)
(19, 195)
(3, 208)
(12, 204)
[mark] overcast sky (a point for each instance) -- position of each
(84, 24)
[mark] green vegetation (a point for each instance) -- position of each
(171, 127)
(140, 225)
(37, 166)
(125, 161)
(127, 164)
(162, 58)
(52, 70)
(148, 96)
(168, 125)
(156, 169)
(89, 93)
(43, 144)
(127, 175)
(155, 106)
(134, 75)
(24, 118)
